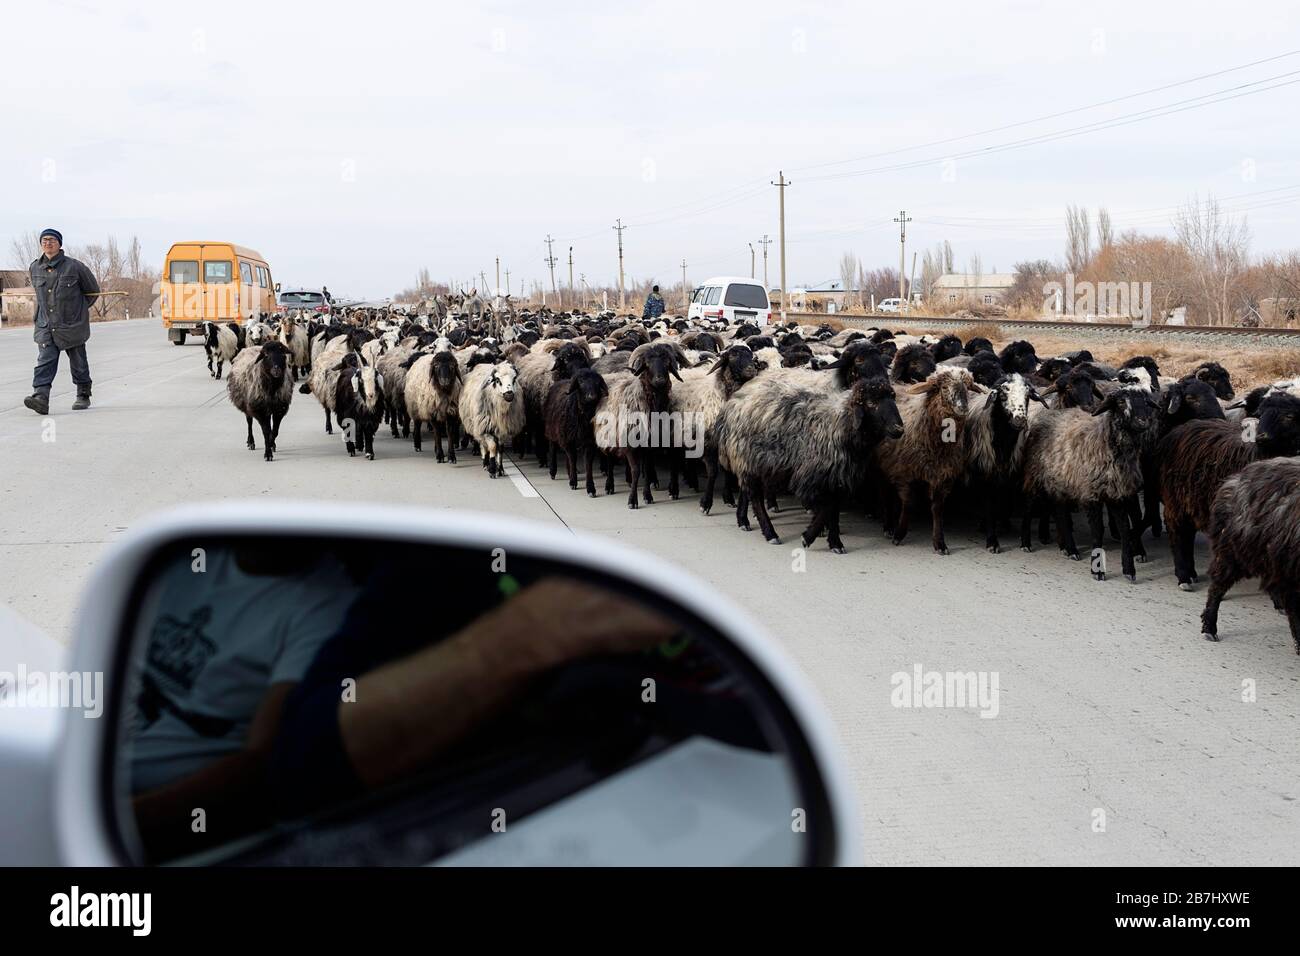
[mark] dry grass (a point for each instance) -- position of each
(983, 330)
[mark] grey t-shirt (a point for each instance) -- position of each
(220, 639)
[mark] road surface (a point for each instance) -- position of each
(1121, 736)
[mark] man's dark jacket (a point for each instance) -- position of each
(63, 287)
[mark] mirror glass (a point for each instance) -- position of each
(341, 701)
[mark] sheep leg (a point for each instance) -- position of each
(634, 476)
(651, 474)
(647, 463)
(1151, 495)
(553, 462)
(1128, 552)
(591, 482)
(730, 487)
(220, 362)
(772, 506)
(370, 442)
(437, 429)
(1097, 527)
(416, 437)
(691, 471)
(1045, 525)
(1293, 617)
(676, 460)
(833, 528)
(453, 436)
(754, 489)
(1136, 526)
(742, 510)
(268, 443)
(904, 493)
(251, 444)
(609, 474)
(710, 480)
(275, 428)
(329, 429)
(406, 422)
(1223, 575)
(937, 497)
(1027, 525)
(1065, 532)
(571, 467)
(992, 509)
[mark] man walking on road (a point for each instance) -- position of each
(654, 305)
(64, 289)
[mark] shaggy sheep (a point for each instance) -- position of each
(914, 363)
(1217, 376)
(569, 409)
(947, 347)
(359, 404)
(930, 451)
(432, 393)
(326, 366)
(1092, 460)
(295, 339)
(260, 388)
(995, 448)
(549, 361)
(1019, 357)
(785, 433)
(1255, 533)
(491, 411)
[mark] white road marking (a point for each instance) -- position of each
(522, 484)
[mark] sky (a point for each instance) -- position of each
(354, 143)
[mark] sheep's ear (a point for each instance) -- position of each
(1096, 392)
(917, 388)
(1107, 406)
(1035, 397)
(674, 373)
(260, 356)
(1175, 401)
(717, 366)
(573, 385)
(761, 366)
(977, 388)
(340, 367)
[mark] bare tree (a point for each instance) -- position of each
(1219, 246)
(24, 249)
(1105, 232)
(976, 267)
(1078, 239)
(848, 272)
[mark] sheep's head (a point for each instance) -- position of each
(985, 368)
(860, 360)
(1019, 357)
(1011, 396)
(875, 409)
(1189, 399)
(952, 386)
(1218, 378)
(797, 355)
(1146, 362)
(1052, 369)
(1131, 408)
(1278, 431)
(503, 379)
(913, 364)
(589, 387)
(1078, 389)
(739, 363)
(569, 357)
(947, 347)
(656, 365)
(979, 344)
(444, 370)
(274, 359)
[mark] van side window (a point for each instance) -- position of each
(245, 273)
(217, 271)
(184, 270)
(262, 278)
(714, 293)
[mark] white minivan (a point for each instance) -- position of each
(731, 299)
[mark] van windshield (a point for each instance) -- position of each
(745, 296)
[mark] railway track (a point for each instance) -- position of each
(1230, 335)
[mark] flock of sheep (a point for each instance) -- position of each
(871, 419)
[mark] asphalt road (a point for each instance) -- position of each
(1109, 700)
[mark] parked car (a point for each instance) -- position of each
(309, 300)
(731, 299)
(889, 305)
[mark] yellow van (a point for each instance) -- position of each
(213, 281)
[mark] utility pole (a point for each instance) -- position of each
(765, 242)
(550, 261)
(507, 282)
(483, 275)
(911, 281)
(497, 290)
(751, 260)
(902, 219)
(781, 183)
(571, 277)
(619, 227)
(686, 299)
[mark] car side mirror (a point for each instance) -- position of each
(324, 684)
(277, 288)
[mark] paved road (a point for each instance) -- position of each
(1109, 699)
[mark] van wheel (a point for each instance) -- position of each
(178, 338)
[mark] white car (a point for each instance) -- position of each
(889, 305)
(731, 299)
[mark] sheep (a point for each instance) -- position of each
(297, 342)
(985, 368)
(432, 392)
(1076, 389)
(636, 396)
(1255, 532)
(1018, 356)
(947, 347)
(978, 344)
(490, 410)
(390, 367)
(994, 445)
(258, 386)
(258, 333)
(359, 404)
(912, 364)
(569, 409)
(221, 343)
(784, 432)
(323, 381)
(1217, 377)
(551, 360)
(929, 452)
(1195, 458)
(1094, 460)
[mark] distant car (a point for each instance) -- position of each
(731, 299)
(309, 300)
(889, 305)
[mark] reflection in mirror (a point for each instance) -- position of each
(336, 702)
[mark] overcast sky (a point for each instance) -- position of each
(352, 143)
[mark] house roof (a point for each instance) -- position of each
(830, 285)
(966, 280)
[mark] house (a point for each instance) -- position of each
(16, 307)
(983, 289)
(830, 291)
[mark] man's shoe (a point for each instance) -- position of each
(38, 403)
(83, 401)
